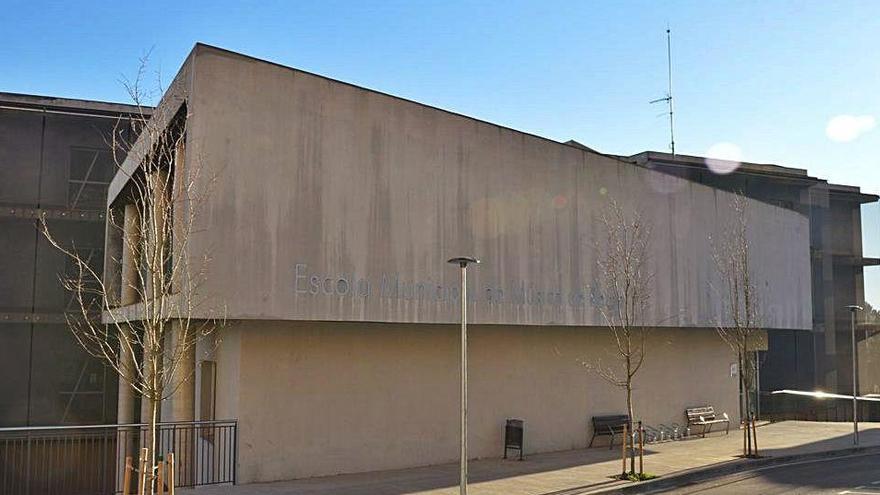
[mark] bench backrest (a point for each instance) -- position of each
(694, 413)
(613, 423)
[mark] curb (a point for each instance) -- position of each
(700, 474)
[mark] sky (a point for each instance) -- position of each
(791, 83)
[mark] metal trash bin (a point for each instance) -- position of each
(513, 436)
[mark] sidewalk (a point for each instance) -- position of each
(570, 472)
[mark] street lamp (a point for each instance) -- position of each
(852, 309)
(463, 262)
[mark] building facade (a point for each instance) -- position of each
(329, 225)
(54, 161)
(334, 210)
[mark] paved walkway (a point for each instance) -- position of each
(569, 472)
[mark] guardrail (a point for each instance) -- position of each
(787, 407)
(90, 459)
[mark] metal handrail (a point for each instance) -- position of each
(121, 425)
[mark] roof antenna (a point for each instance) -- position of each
(668, 98)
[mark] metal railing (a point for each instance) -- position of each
(786, 407)
(90, 459)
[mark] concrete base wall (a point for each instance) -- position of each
(317, 399)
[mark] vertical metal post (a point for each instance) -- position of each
(641, 450)
(855, 380)
(757, 385)
(855, 387)
(462, 262)
(463, 458)
(622, 451)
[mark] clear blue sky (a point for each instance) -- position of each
(766, 77)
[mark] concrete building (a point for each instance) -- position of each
(334, 212)
(54, 160)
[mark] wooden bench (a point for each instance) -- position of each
(609, 426)
(705, 416)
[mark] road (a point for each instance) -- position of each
(855, 475)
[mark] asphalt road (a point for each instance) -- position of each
(842, 476)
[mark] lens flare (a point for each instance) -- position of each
(723, 158)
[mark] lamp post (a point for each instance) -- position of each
(463, 262)
(852, 309)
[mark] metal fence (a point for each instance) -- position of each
(782, 407)
(90, 460)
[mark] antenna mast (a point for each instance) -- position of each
(668, 98)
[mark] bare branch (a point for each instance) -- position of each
(739, 324)
(624, 287)
(154, 313)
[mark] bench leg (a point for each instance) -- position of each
(610, 445)
(727, 432)
(591, 440)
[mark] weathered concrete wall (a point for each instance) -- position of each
(322, 179)
(324, 398)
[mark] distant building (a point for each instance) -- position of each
(821, 358)
(54, 160)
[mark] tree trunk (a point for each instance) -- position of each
(742, 407)
(629, 410)
(747, 393)
(154, 409)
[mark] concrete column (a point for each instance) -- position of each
(131, 253)
(125, 411)
(113, 257)
(153, 235)
(183, 402)
(126, 437)
(128, 295)
(146, 411)
(156, 229)
(126, 395)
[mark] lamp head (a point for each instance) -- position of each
(463, 261)
(854, 308)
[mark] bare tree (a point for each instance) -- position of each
(148, 306)
(624, 286)
(740, 323)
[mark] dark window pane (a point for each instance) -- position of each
(68, 386)
(14, 366)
